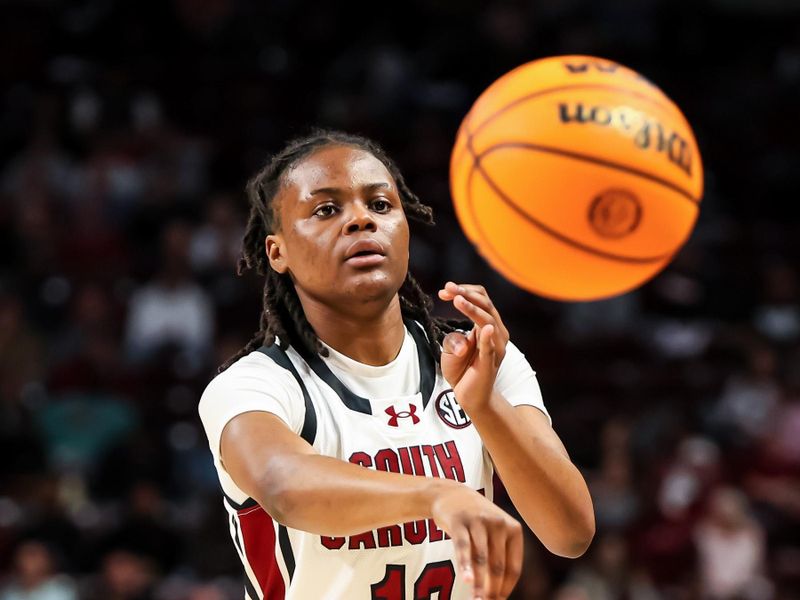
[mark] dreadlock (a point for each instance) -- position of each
(282, 315)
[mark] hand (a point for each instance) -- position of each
(488, 542)
(470, 363)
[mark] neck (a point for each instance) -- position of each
(373, 335)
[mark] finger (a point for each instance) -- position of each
(464, 288)
(514, 552)
(478, 296)
(475, 313)
(456, 343)
(463, 546)
(452, 289)
(497, 561)
(480, 557)
(449, 291)
(486, 341)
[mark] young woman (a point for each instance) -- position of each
(355, 436)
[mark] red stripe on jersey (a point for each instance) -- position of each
(258, 537)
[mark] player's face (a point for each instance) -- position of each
(343, 234)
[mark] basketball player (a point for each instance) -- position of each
(355, 436)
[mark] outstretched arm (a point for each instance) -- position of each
(545, 487)
(328, 496)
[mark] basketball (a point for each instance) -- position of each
(576, 178)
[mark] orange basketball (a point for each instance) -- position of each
(576, 178)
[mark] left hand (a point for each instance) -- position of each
(470, 363)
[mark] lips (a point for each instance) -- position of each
(364, 248)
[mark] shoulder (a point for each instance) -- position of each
(514, 368)
(251, 373)
(516, 380)
(252, 383)
(515, 357)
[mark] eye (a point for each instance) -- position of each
(381, 205)
(326, 210)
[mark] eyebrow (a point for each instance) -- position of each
(333, 191)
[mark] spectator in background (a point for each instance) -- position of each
(216, 245)
(91, 311)
(777, 315)
(172, 310)
(20, 357)
(664, 544)
(35, 577)
(89, 411)
(771, 479)
(609, 575)
(572, 591)
(125, 575)
(616, 502)
(41, 166)
(749, 397)
(207, 592)
(37, 237)
(731, 550)
(146, 528)
(534, 584)
(78, 428)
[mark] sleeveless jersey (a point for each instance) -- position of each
(424, 433)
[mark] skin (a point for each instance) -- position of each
(356, 311)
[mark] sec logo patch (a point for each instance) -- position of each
(450, 412)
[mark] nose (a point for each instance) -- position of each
(360, 218)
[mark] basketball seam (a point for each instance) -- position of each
(465, 126)
(591, 159)
(496, 255)
(516, 276)
(544, 228)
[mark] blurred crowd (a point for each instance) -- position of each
(127, 131)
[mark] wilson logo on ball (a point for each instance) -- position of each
(450, 412)
(646, 132)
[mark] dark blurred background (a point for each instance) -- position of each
(127, 131)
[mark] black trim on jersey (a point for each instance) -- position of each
(286, 550)
(427, 364)
(249, 503)
(278, 355)
(248, 585)
(427, 372)
(351, 400)
(249, 588)
(236, 535)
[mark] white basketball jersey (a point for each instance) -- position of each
(425, 434)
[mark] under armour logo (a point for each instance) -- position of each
(394, 415)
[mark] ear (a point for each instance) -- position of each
(275, 249)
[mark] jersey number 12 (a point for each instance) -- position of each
(435, 577)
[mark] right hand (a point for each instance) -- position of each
(488, 541)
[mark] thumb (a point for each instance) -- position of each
(455, 343)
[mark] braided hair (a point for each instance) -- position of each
(282, 315)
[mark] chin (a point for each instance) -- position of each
(371, 286)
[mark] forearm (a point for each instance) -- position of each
(546, 488)
(331, 497)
